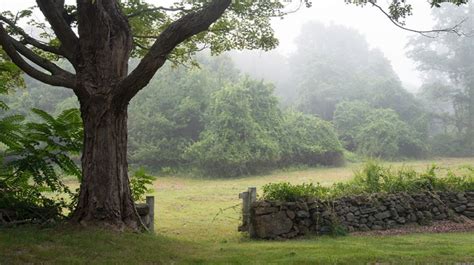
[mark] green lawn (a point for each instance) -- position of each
(196, 223)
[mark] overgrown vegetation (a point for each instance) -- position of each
(376, 132)
(376, 178)
(140, 182)
(36, 159)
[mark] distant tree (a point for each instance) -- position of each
(167, 118)
(447, 61)
(270, 66)
(308, 140)
(239, 137)
(376, 132)
(334, 63)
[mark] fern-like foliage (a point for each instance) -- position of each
(37, 157)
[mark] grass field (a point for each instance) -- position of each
(196, 223)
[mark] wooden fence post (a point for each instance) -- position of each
(245, 211)
(150, 201)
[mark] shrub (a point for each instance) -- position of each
(34, 163)
(237, 139)
(309, 140)
(287, 192)
(375, 178)
(376, 132)
(139, 184)
(451, 145)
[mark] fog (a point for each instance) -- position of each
(378, 30)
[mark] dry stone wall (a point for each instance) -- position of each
(275, 219)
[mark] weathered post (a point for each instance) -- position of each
(150, 201)
(245, 211)
(252, 197)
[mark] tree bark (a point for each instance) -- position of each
(104, 46)
(105, 196)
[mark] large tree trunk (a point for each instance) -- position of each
(101, 63)
(105, 196)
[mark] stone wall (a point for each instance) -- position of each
(274, 219)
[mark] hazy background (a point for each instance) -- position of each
(378, 30)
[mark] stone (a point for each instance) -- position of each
(350, 217)
(399, 208)
(306, 222)
(265, 210)
(391, 223)
(419, 215)
(325, 230)
(441, 216)
(460, 196)
(272, 225)
(371, 218)
(290, 234)
(382, 215)
(303, 230)
(377, 227)
(368, 210)
(401, 220)
(427, 215)
(363, 220)
(303, 206)
(142, 209)
(302, 214)
(393, 212)
(469, 213)
(460, 208)
(290, 214)
(326, 214)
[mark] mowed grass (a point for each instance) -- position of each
(196, 223)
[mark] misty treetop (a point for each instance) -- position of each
(448, 88)
(334, 63)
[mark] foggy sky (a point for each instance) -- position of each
(378, 30)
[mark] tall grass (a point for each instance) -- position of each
(376, 178)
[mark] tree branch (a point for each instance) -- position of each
(13, 48)
(40, 61)
(180, 30)
(30, 40)
(454, 29)
(54, 12)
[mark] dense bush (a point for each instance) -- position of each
(236, 139)
(375, 178)
(308, 140)
(450, 144)
(166, 118)
(245, 132)
(376, 132)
